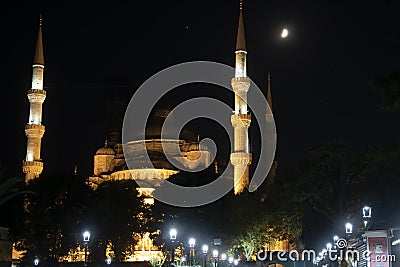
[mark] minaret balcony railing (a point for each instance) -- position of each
(37, 91)
(35, 126)
(32, 163)
(241, 79)
(241, 120)
(36, 95)
(244, 116)
(241, 158)
(32, 166)
(240, 84)
(34, 130)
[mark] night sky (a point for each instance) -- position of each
(320, 73)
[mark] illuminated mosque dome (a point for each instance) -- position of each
(105, 150)
(156, 123)
(130, 160)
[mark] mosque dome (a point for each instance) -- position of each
(105, 150)
(155, 124)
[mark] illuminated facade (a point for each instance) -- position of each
(32, 166)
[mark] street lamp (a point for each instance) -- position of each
(367, 212)
(349, 228)
(235, 261)
(205, 250)
(86, 238)
(108, 261)
(215, 255)
(230, 260)
(192, 242)
(223, 258)
(36, 261)
(172, 236)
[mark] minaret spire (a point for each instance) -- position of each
(32, 166)
(240, 40)
(39, 58)
(241, 156)
(269, 114)
(269, 95)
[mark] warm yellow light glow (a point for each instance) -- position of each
(284, 33)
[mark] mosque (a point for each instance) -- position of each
(110, 164)
(109, 161)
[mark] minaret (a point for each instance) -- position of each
(269, 114)
(32, 166)
(269, 95)
(241, 156)
(270, 119)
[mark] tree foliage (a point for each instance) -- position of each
(52, 216)
(10, 187)
(388, 88)
(64, 206)
(117, 215)
(332, 180)
(244, 223)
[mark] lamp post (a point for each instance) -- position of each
(349, 228)
(86, 238)
(230, 260)
(36, 261)
(367, 214)
(172, 236)
(223, 258)
(215, 255)
(192, 242)
(205, 250)
(108, 261)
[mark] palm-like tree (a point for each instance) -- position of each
(9, 187)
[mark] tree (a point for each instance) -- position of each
(116, 216)
(332, 180)
(9, 187)
(52, 217)
(388, 87)
(266, 228)
(243, 222)
(250, 240)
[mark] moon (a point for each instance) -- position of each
(284, 33)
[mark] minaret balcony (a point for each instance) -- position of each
(240, 120)
(32, 167)
(34, 130)
(240, 84)
(36, 95)
(241, 158)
